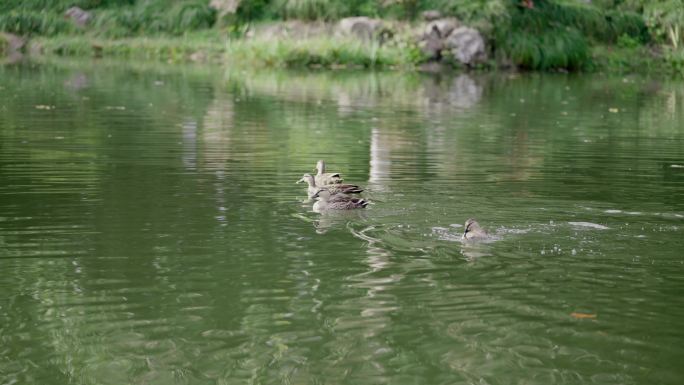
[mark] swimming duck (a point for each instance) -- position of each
(473, 231)
(323, 178)
(333, 188)
(328, 201)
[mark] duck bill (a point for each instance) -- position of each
(300, 181)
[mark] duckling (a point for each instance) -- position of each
(323, 178)
(333, 188)
(473, 231)
(328, 201)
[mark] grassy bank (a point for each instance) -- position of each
(324, 51)
(536, 35)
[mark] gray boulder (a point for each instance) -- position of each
(432, 44)
(361, 27)
(11, 43)
(466, 45)
(11, 47)
(443, 26)
(78, 16)
(431, 14)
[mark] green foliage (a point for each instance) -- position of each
(4, 45)
(626, 41)
(592, 22)
(155, 18)
(114, 18)
(314, 9)
(33, 23)
(320, 52)
(548, 50)
(471, 11)
(626, 24)
(666, 20)
(675, 60)
(58, 6)
(308, 9)
(557, 34)
(254, 10)
(190, 16)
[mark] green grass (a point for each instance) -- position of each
(318, 52)
(4, 45)
(326, 52)
(639, 59)
(29, 23)
(566, 49)
(151, 17)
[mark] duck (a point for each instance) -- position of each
(327, 201)
(473, 231)
(325, 178)
(333, 188)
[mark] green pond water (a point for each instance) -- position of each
(151, 231)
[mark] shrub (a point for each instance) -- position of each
(666, 19)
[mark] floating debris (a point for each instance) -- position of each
(589, 224)
(578, 315)
(44, 107)
(120, 108)
(613, 110)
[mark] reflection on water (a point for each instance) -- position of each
(151, 231)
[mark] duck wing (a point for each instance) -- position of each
(345, 189)
(349, 204)
(328, 178)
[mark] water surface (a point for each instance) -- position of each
(151, 231)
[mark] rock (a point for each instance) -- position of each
(198, 57)
(361, 27)
(78, 16)
(10, 43)
(443, 26)
(432, 44)
(11, 48)
(431, 15)
(292, 29)
(466, 45)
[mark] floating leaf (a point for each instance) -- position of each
(578, 315)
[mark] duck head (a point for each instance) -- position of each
(309, 179)
(472, 229)
(322, 193)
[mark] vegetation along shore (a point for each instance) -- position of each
(545, 35)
